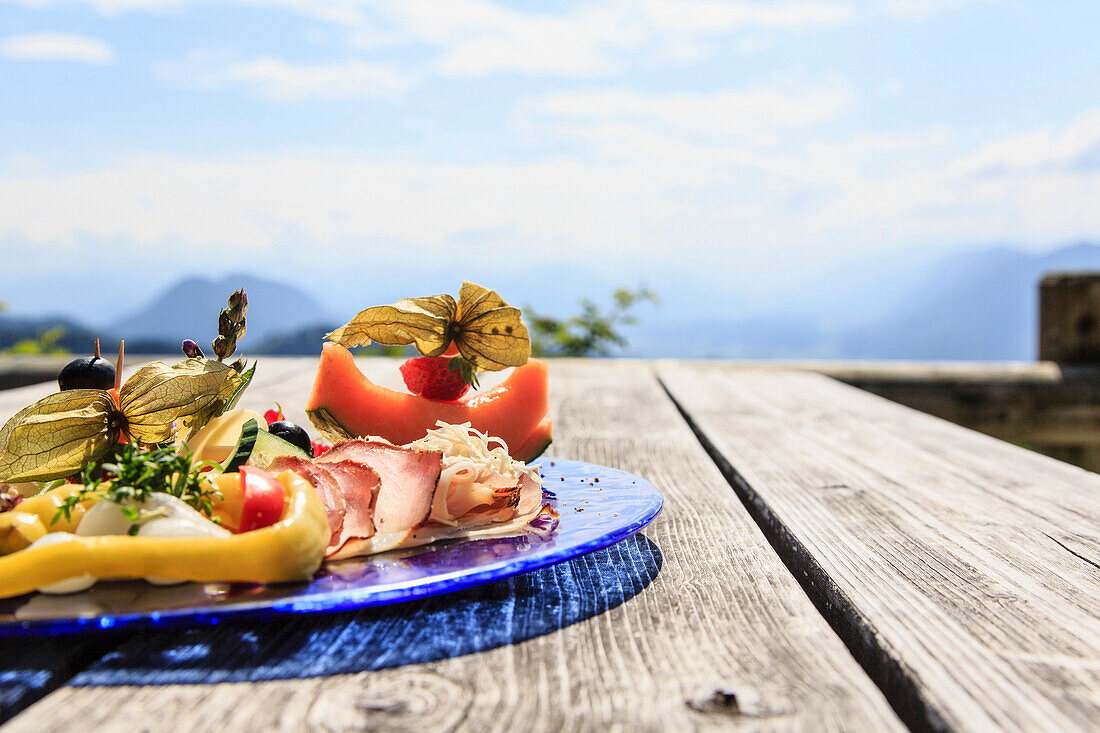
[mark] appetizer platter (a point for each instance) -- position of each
(158, 501)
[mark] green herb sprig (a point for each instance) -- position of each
(132, 474)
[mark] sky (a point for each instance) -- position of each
(356, 147)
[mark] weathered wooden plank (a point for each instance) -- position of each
(721, 636)
(21, 370)
(961, 570)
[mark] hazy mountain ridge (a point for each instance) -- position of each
(976, 305)
(189, 309)
(979, 304)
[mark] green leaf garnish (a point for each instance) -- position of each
(246, 379)
(465, 368)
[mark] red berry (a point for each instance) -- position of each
(274, 415)
(319, 448)
(429, 376)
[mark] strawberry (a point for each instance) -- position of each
(432, 377)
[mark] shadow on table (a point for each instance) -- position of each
(474, 620)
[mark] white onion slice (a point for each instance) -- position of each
(69, 585)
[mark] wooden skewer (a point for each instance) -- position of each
(118, 364)
(96, 354)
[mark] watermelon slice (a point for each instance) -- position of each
(344, 403)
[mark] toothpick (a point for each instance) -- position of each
(118, 364)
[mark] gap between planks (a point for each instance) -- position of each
(888, 673)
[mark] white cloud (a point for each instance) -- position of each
(657, 194)
(116, 7)
(479, 37)
(284, 81)
(1028, 186)
(597, 37)
(1040, 149)
(476, 37)
(325, 199)
(759, 112)
(921, 9)
(56, 47)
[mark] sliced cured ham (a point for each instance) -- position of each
(409, 479)
(324, 482)
(530, 496)
(360, 485)
(456, 483)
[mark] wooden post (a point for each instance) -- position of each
(1069, 317)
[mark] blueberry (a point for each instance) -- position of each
(87, 372)
(292, 434)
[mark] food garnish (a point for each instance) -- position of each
(64, 432)
(433, 377)
(488, 333)
(231, 326)
(274, 415)
(132, 474)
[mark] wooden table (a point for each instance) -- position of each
(826, 560)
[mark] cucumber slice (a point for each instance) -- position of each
(245, 445)
(269, 447)
(259, 448)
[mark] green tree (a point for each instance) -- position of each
(593, 332)
(45, 342)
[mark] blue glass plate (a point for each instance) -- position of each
(598, 506)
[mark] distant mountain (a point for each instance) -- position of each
(981, 305)
(305, 341)
(189, 309)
